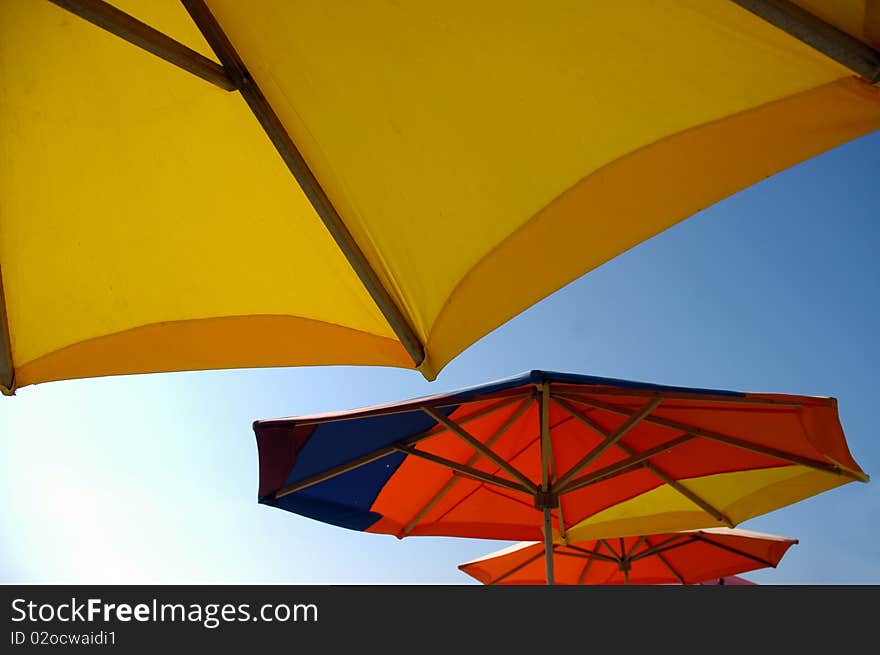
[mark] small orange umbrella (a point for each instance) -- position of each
(730, 581)
(689, 557)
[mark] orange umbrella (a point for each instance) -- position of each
(555, 456)
(689, 557)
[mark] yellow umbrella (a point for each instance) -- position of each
(452, 163)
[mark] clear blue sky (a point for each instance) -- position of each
(149, 479)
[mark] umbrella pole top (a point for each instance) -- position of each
(546, 499)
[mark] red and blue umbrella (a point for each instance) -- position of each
(555, 457)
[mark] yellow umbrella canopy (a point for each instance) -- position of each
(281, 182)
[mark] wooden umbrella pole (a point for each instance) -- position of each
(545, 504)
(548, 544)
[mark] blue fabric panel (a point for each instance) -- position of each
(535, 377)
(346, 499)
(338, 442)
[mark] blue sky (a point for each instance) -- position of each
(152, 479)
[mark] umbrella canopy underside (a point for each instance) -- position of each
(479, 160)
(624, 459)
(690, 557)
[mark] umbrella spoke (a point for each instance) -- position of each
(590, 559)
(345, 467)
(672, 570)
(669, 544)
(517, 568)
(611, 439)
(725, 439)
(299, 168)
(702, 398)
(610, 549)
(847, 50)
(595, 554)
(481, 448)
(573, 412)
(697, 500)
(335, 471)
(560, 553)
(462, 469)
(510, 396)
(464, 498)
(636, 546)
(735, 551)
(700, 502)
(7, 368)
(446, 488)
(636, 460)
(490, 442)
(560, 517)
(129, 28)
(649, 549)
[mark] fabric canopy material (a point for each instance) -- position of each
(730, 580)
(452, 164)
(691, 557)
(556, 455)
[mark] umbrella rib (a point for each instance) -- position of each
(537, 439)
(461, 500)
(298, 166)
(640, 459)
(592, 553)
(130, 29)
(487, 489)
(664, 546)
(700, 502)
(636, 460)
(385, 450)
(696, 499)
(481, 448)
(580, 416)
(513, 418)
(610, 440)
(671, 569)
(518, 567)
(725, 439)
(684, 396)
(609, 548)
(463, 469)
(649, 550)
(816, 33)
(480, 413)
(565, 554)
(363, 460)
(7, 367)
(735, 551)
(511, 395)
(636, 546)
(589, 563)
